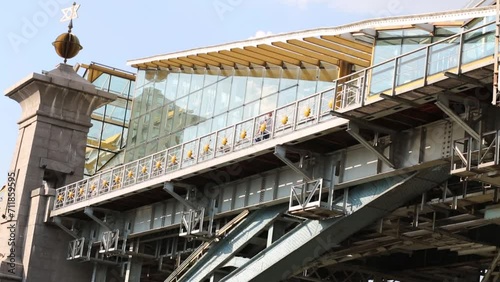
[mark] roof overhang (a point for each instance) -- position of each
(315, 47)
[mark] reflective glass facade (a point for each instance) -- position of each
(108, 134)
(172, 107)
(392, 43)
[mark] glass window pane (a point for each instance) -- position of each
(235, 116)
(196, 82)
(149, 78)
(171, 87)
(219, 122)
(386, 49)
(205, 128)
(142, 131)
(287, 96)
(251, 110)
(147, 99)
(95, 130)
(189, 133)
(151, 147)
(211, 77)
(238, 88)
(223, 95)
(180, 114)
(136, 106)
(165, 143)
(268, 103)
(184, 84)
(390, 33)
(307, 83)
(194, 106)
(102, 82)
(140, 152)
(271, 81)
(154, 130)
(208, 102)
(132, 137)
(111, 137)
(254, 85)
(119, 86)
(168, 119)
(140, 78)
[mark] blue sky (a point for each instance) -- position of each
(113, 32)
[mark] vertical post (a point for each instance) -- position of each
(395, 76)
(331, 190)
(497, 42)
(460, 51)
(364, 87)
(427, 60)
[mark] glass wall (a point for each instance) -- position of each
(173, 107)
(442, 56)
(108, 134)
(392, 43)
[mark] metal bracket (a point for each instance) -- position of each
(75, 249)
(192, 223)
(280, 152)
(89, 211)
(443, 104)
(59, 222)
(353, 130)
(109, 242)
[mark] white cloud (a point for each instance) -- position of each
(261, 33)
(382, 8)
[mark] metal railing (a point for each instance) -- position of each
(347, 93)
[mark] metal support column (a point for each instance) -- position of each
(99, 272)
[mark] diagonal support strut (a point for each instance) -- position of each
(353, 130)
(280, 152)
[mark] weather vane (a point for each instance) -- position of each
(70, 13)
(67, 45)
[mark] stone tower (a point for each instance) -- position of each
(50, 152)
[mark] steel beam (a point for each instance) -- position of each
(58, 222)
(458, 120)
(89, 211)
(169, 188)
(280, 152)
(400, 100)
(466, 79)
(230, 245)
(309, 240)
(364, 123)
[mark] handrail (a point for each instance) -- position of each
(348, 92)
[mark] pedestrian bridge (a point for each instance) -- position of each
(413, 79)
